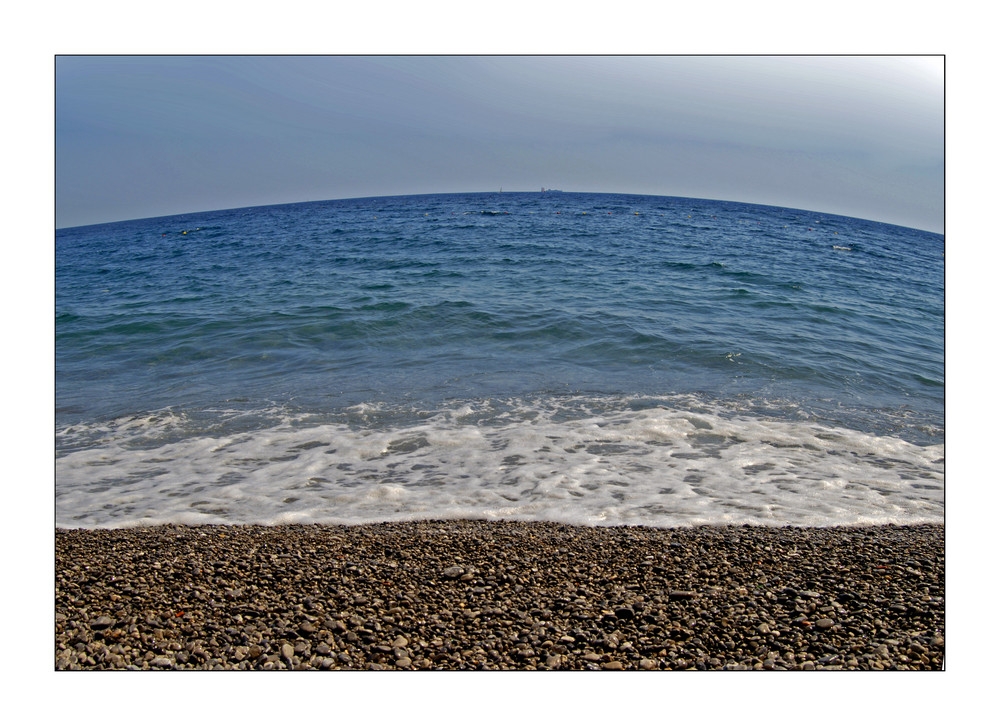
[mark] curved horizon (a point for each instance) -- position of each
(498, 193)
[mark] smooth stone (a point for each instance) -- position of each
(682, 595)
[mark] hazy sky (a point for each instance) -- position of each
(144, 136)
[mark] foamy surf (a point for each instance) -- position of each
(663, 462)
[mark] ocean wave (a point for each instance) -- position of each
(671, 461)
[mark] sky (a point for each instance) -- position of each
(146, 136)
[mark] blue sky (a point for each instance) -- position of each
(143, 136)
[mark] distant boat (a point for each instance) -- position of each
(544, 190)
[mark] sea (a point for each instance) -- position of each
(591, 359)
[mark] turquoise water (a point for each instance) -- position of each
(674, 360)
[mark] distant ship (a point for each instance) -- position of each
(550, 190)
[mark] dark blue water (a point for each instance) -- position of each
(402, 308)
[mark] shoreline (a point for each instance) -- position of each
(500, 595)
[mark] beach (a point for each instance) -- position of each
(499, 595)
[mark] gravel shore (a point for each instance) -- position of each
(498, 595)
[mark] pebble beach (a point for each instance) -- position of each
(499, 595)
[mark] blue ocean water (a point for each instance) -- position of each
(588, 358)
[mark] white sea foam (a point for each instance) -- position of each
(596, 461)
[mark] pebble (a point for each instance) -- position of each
(527, 595)
(683, 595)
(102, 622)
